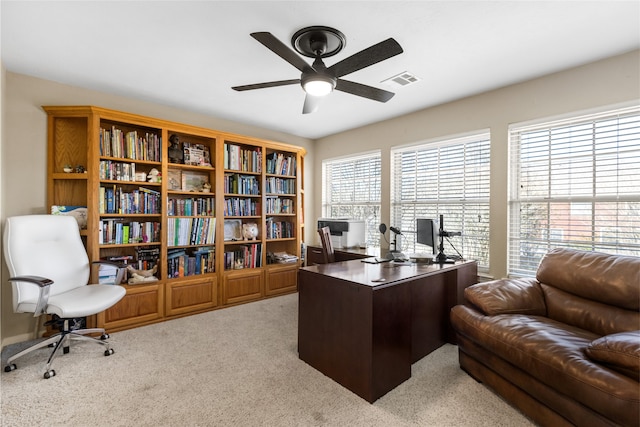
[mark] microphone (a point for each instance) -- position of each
(382, 228)
(395, 230)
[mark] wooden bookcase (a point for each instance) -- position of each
(189, 225)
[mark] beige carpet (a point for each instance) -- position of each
(233, 367)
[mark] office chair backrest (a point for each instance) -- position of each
(44, 245)
(327, 245)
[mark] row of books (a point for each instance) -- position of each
(115, 142)
(117, 231)
(241, 207)
(241, 184)
(242, 159)
(191, 231)
(198, 206)
(117, 171)
(276, 205)
(280, 185)
(146, 257)
(279, 164)
(244, 256)
(279, 229)
(115, 200)
(182, 263)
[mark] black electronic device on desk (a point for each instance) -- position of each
(427, 233)
(394, 254)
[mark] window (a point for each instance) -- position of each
(351, 189)
(574, 183)
(449, 178)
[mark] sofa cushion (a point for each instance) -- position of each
(599, 318)
(618, 351)
(507, 296)
(610, 279)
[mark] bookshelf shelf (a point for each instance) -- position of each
(206, 178)
(64, 175)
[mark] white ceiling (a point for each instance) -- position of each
(188, 54)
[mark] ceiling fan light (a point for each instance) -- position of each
(318, 86)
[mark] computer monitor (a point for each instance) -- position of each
(427, 231)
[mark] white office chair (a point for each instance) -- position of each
(49, 270)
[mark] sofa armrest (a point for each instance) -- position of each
(620, 352)
(507, 296)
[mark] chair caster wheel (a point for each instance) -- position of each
(109, 352)
(104, 337)
(10, 368)
(49, 374)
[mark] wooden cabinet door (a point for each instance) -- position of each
(191, 295)
(142, 304)
(281, 279)
(242, 285)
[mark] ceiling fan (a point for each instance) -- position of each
(317, 80)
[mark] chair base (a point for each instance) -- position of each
(62, 340)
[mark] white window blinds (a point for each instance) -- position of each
(351, 189)
(574, 183)
(449, 178)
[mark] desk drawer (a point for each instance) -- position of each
(314, 255)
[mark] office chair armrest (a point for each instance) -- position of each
(43, 298)
(38, 280)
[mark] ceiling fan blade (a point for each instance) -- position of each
(311, 104)
(364, 90)
(369, 56)
(267, 84)
(282, 50)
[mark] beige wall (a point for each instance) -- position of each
(612, 81)
(23, 174)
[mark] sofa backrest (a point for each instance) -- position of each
(591, 290)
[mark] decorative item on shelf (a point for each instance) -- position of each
(140, 176)
(67, 168)
(232, 229)
(174, 179)
(176, 155)
(238, 265)
(206, 187)
(80, 169)
(78, 212)
(194, 181)
(154, 175)
(196, 154)
(141, 276)
(250, 231)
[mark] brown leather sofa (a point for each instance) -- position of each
(564, 348)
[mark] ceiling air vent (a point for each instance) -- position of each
(400, 80)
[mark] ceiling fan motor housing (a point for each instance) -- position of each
(318, 41)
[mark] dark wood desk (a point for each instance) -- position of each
(364, 333)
